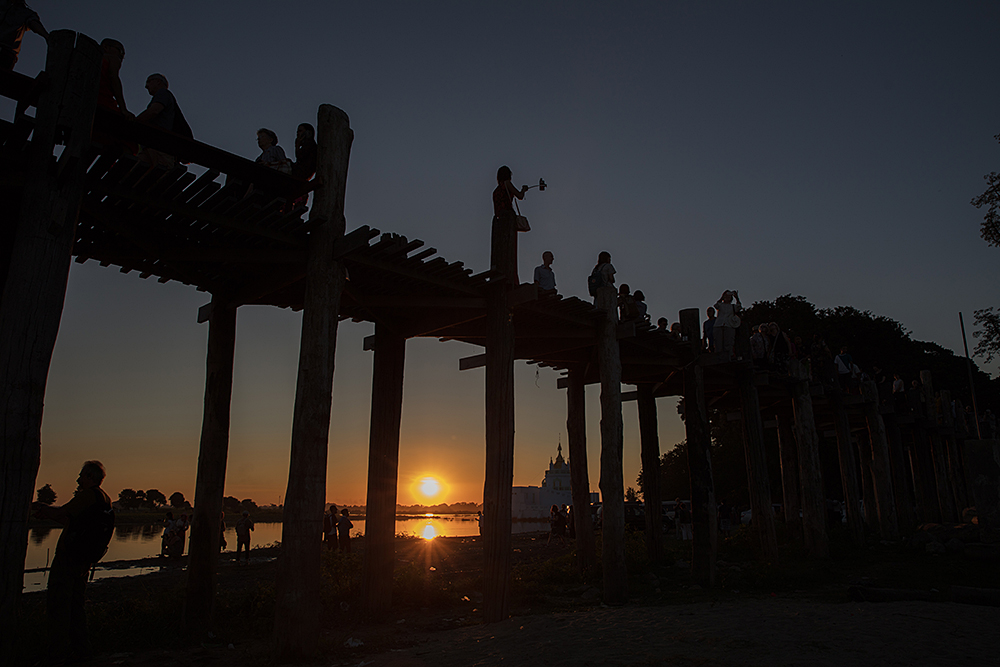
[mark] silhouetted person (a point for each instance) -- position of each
(272, 155)
(164, 113)
(661, 324)
(16, 18)
(603, 274)
(557, 525)
(504, 219)
(306, 152)
(726, 324)
(845, 368)
(545, 277)
(222, 532)
(344, 531)
(243, 529)
(708, 330)
(330, 528)
(640, 304)
(110, 94)
(75, 553)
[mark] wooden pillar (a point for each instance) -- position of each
(900, 477)
(848, 467)
(32, 299)
(922, 468)
(814, 535)
(956, 478)
(939, 454)
(869, 505)
(499, 422)
(789, 475)
(576, 431)
(762, 517)
(649, 439)
(705, 543)
(383, 467)
(983, 457)
(881, 463)
(296, 616)
(203, 549)
(612, 477)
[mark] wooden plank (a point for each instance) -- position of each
(468, 363)
(576, 433)
(881, 465)
(817, 544)
(759, 485)
(649, 442)
(848, 468)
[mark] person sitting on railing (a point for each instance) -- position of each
(110, 94)
(164, 113)
(272, 155)
(306, 152)
(15, 18)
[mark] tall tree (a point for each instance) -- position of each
(177, 499)
(128, 498)
(46, 495)
(990, 228)
(154, 498)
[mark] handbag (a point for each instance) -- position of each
(520, 222)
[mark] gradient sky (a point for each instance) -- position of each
(827, 149)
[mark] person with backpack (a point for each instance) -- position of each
(627, 309)
(88, 522)
(603, 274)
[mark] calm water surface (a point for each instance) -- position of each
(135, 542)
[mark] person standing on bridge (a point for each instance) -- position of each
(16, 18)
(545, 277)
(505, 220)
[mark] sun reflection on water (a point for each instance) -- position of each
(429, 532)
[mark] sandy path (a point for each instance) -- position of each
(764, 632)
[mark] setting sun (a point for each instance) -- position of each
(429, 487)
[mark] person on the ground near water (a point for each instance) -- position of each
(170, 539)
(164, 113)
(758, 346)
(845, 367)
(781, 348)
(88, 522)
(272, 155)
(627, 309)
(707, 331)
(344, 526)
(330, 528)
(16, 18)
(571, 521)
(661, 324)
(557, 525)
(306, 152)
(640, 304)
(685, 513)
(222, 532)
(243, 529)
(545, 277)
(180, 527)
(479, 520)
(727, 309)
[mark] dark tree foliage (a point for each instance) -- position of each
(177, 499)
(154, 498)
(129, 499)
(990, 229)
(631, 496)
(231, 504)
(248, 505)
(46, 495)
(989, 336)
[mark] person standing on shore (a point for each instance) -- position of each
(243, 529)
(344, 530)
(330, 528)
(83, 542)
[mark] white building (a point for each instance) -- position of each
(534, 502)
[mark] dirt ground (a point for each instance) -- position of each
(556, 621)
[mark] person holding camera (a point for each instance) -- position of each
(727, 321)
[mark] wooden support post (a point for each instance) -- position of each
(762, 517)
(576, 431)
(869, 505)
(814, 536)
(983, 457)
(297, 613)
(383, 466)
(612, 441)
(649, 439)
(789, 475)
(939, 453)
(33, 293)
(922, 468)
(499, 422)
(203, 550)
(705, 543)
(956, 478)
(848, 468)
(899, 459)
(881, 463)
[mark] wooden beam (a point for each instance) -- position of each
(33, 292)
(612, 483)
(705, 543)
(576, 433)
(939, 452)
(297, 604)
(475, 361)
(881, 465)
(420, 302)
(414, 273)
(789, 457)
(649, 441)
(383, 467)
(848, 468)
(759, 485)
(203, 549)
(814, 535)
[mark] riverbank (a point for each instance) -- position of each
(801, 612)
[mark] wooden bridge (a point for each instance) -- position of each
(69, 196)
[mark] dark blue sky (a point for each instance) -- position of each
(828, 149)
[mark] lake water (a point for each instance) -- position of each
(135, 542)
